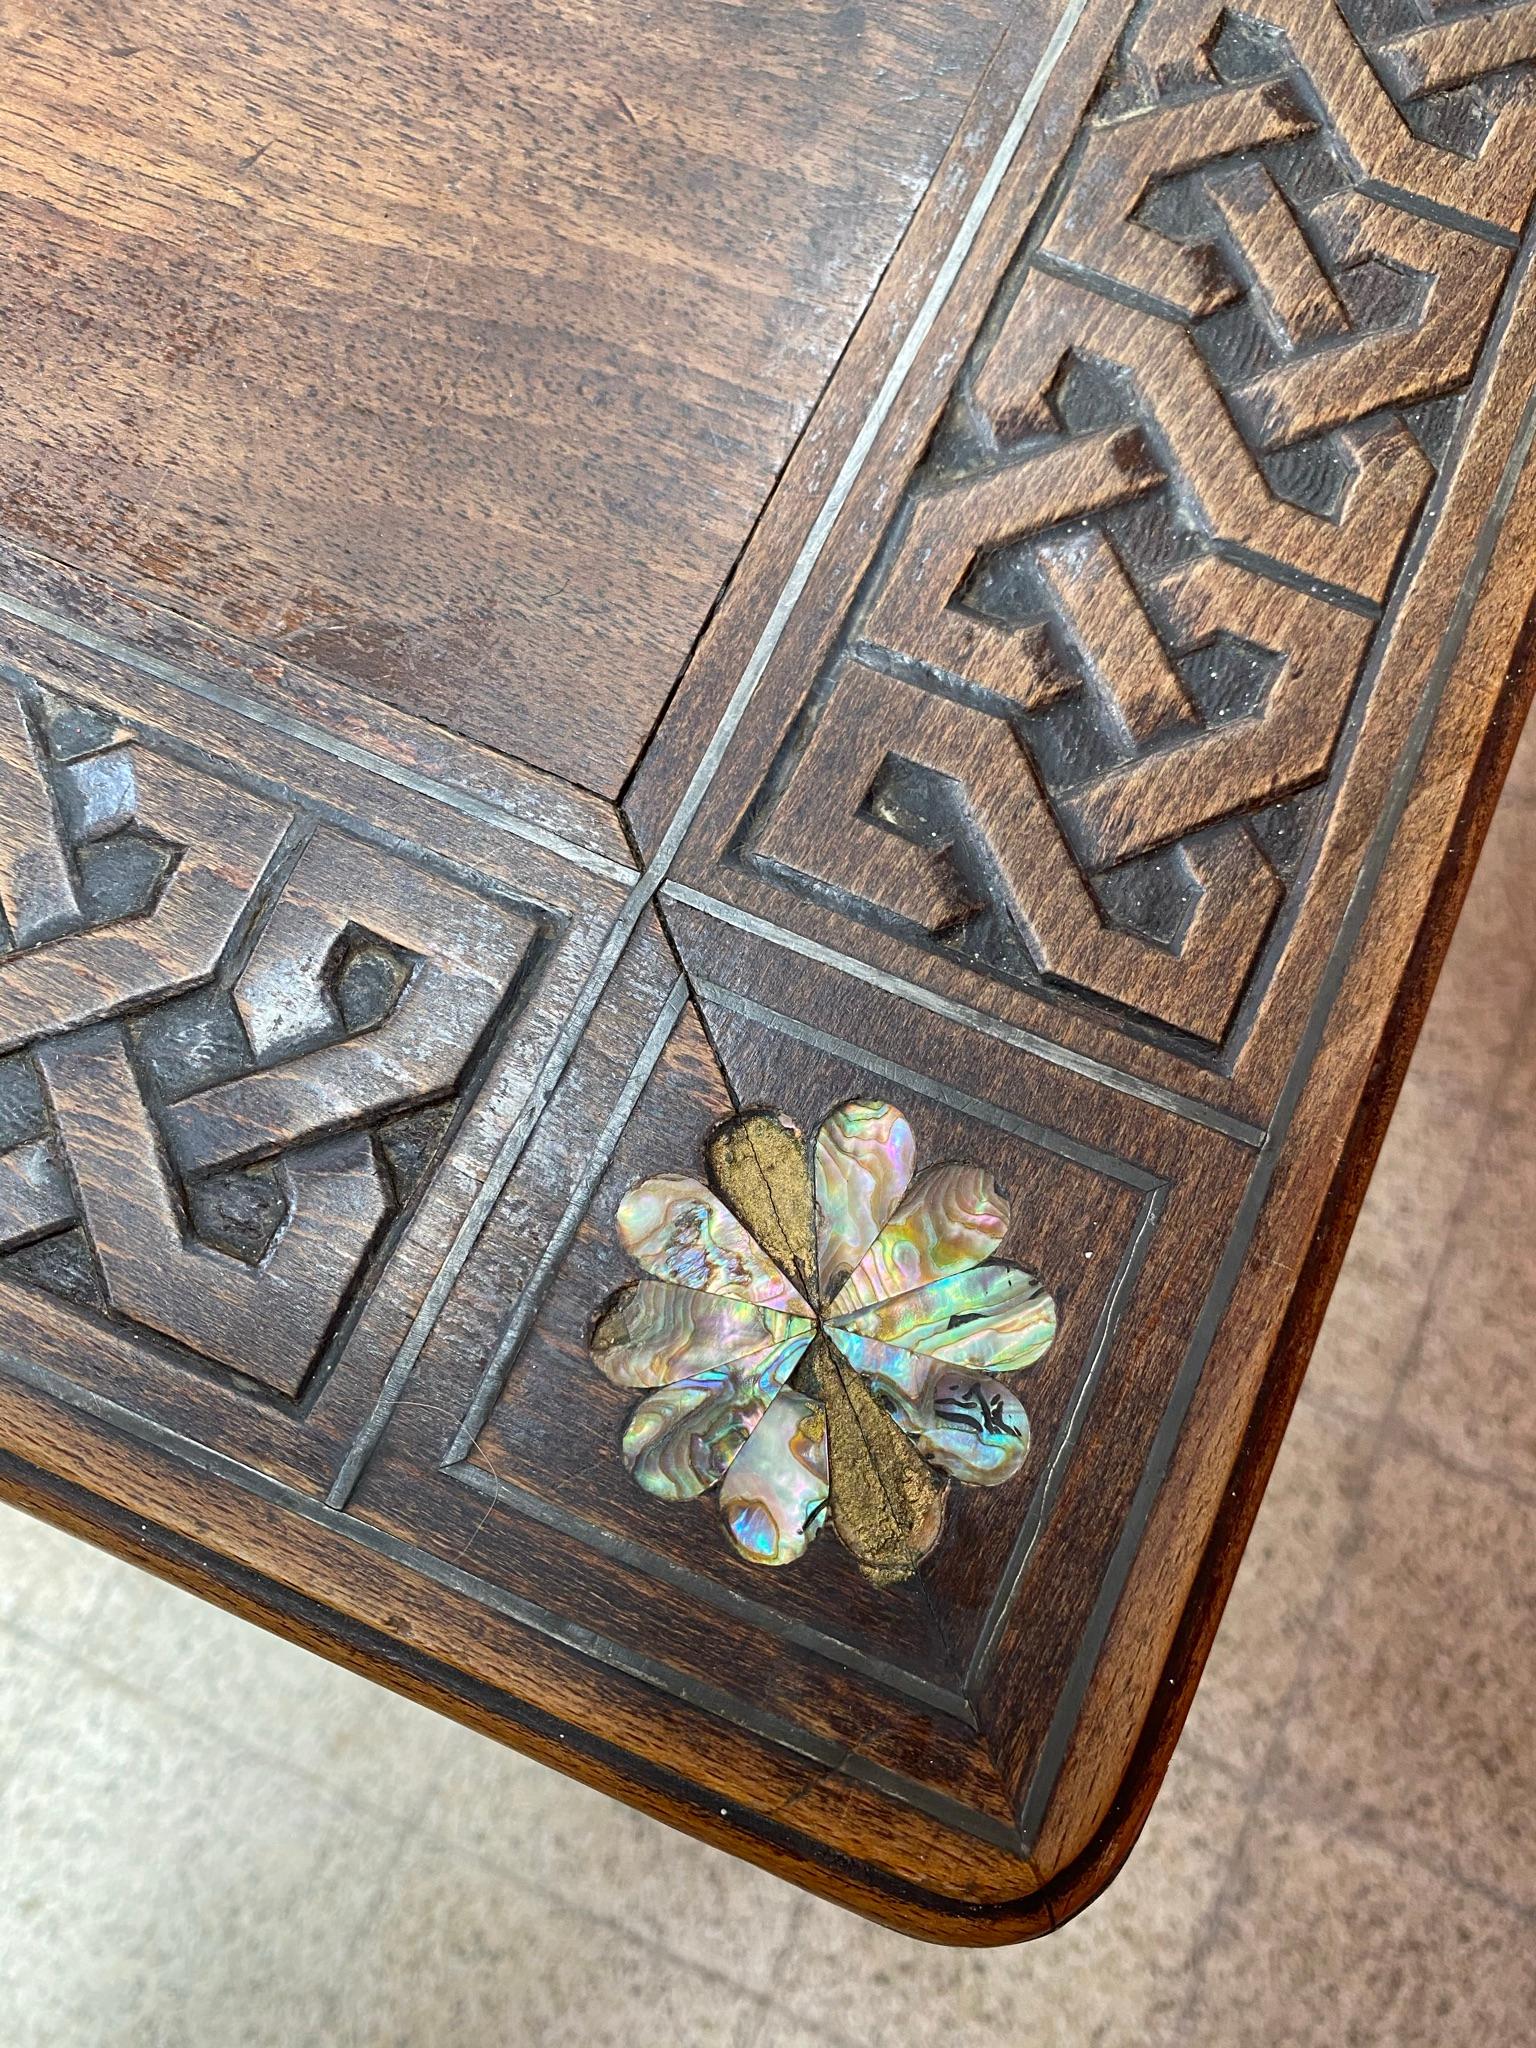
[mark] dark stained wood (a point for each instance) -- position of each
(477, 939)
(449, 350)
(1087, 752)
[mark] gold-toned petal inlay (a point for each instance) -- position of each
(758, 1163)
(886, 1505)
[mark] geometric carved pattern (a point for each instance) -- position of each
(229, 1038)
(1079, 722)
(331, 1219)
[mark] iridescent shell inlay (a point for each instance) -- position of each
(740, 1383)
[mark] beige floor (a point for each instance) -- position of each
(209, 1838)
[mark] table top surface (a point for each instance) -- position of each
(735, 747)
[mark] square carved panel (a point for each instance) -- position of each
(510, 1457)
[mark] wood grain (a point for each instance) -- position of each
(1087, 751)
(450, 351)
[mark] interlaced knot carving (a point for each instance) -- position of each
(1079, 722)
(230, 1037)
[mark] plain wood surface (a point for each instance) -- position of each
(450, 350)
(1108, 774)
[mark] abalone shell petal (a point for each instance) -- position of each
(679, 1230)
(993, 1318)
(864, 1155)
(952, 1218)
(652, 1333)
(971, 1427)
(774, 1497)
(1007, 1342)
(680, 1440)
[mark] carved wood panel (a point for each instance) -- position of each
(244, 1021)
(508, 1458)
(234, 1044)
(1081, 724)
(1080, 764)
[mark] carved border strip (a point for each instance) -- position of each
(1148, 596)
(436, 897)
(1266, 1164)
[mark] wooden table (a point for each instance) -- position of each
(571, 573)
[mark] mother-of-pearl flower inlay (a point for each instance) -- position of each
(820, 1335)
